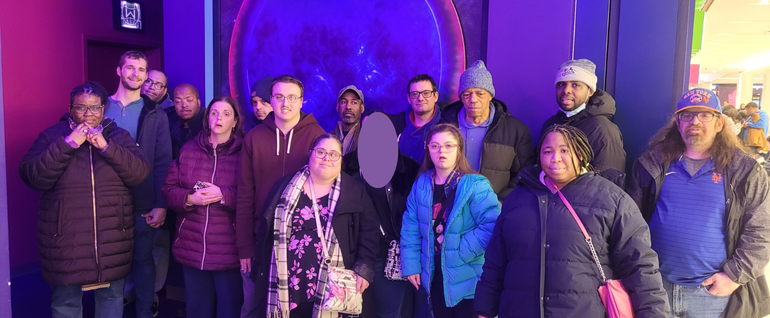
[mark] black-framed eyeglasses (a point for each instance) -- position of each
(321, 153)
(703, 117)
(81, 109)
(290, 98)
(436, 147)
(416, 94)
(154, 84)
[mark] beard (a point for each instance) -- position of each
(127, 84)
(349, 120)
(695, 140)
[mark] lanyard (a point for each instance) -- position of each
(321, 235)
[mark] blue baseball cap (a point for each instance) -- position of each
(699, 98)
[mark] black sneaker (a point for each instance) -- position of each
(154, 309)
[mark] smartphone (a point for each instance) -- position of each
(199, 185)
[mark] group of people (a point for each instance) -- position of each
(476, 221)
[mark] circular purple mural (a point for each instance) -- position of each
(376, 45)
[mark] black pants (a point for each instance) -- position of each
(464, 309)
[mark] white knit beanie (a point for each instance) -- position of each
(581, 70)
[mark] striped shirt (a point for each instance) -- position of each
(687, 227)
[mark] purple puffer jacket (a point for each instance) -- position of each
(205, 234)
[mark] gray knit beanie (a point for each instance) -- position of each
(476, 76)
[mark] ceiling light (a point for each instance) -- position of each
(760, 3)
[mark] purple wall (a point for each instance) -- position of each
(184, 54)
(528, 40)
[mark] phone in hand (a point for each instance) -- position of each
(199, 185)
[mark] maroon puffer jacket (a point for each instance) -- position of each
(205, 234)
(85, 229)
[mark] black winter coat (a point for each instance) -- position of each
(603, 135)
(85, 230)
(539, 265)
(153, 137)
(390, 200)
(507, 147)
(354, 222)
(181, 135)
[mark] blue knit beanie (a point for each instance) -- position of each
(476, 76)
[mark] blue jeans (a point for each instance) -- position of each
(213, 293)
(143, 267)
(694, 302)
(67, 301)
(389, 295)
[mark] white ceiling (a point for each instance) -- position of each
(736, 38)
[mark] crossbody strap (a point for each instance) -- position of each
(582, 228)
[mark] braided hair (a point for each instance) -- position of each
(577, 143)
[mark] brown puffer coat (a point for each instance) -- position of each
(85, 229)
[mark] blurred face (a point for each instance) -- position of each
(557, 159)
(326, 167)
(751, 110)
(350, 108)
(570, 95)
(261, 107)
(286, 110)
(155, 86)
(476, 102)
(222, 118)
(422, 105)
(186, 103)
(443, 150)
(80, 110)
(133, 74)
(699, 131)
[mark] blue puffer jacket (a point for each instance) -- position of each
(469, 228)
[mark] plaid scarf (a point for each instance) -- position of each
(278, 291)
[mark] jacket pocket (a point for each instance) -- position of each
(121, 215)
(59, 219)
(179, 231)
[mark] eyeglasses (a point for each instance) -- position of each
(436, 147)
(290, 98)
(425, 94)
(321, 153)
(154, 84)
(479, 94)
(703, 117)
(81, 109)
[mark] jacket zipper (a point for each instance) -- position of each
(93, 203)
(206, 227)
(283, 157)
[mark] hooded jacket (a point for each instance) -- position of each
(267, 155)
(747, 215)
(539, 265)
(468, 229)
(603, 135)
(85, 230)
(205, 234)
(507, 147)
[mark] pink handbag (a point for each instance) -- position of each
(613, 294)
